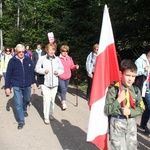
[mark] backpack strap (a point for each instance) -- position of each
(135, 89)
(116, 91)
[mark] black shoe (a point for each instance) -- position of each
(20, 126)
(25, 114)
(147, 130)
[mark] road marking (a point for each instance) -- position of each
(144, 145)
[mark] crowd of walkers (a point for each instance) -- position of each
(24, 69)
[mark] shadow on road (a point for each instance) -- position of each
(143, 143)
(37, 102)
(70, 137)
(76, 92)
(10, 105)
(58, 101)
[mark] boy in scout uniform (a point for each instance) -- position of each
(122, 105)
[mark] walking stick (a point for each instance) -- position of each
(76, 88)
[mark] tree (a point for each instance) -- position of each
(77, 23)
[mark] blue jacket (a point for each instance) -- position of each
(20, 74)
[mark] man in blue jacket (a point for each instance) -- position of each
(20, 76)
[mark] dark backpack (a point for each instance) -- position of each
(134, 86)
(139, 80)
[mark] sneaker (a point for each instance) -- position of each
(51, 117)
(46, 121)
(64, 106)
(20, 126)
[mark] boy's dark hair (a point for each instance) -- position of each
(128, 64)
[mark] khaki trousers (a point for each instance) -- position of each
(49, 95)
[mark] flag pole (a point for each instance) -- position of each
(106, 71)
(76, 88)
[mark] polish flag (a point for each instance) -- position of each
(106, 71)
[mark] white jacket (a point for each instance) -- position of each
(52, 64)
(141, 63)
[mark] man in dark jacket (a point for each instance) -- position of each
(20, 76)
(35, 57)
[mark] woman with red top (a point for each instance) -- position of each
(64, 78)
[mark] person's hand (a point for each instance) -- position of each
(121, 96)
(55, 72)
(90, 75)
(126, 111)
(7, 92)
(46, 71)
(147, 68)
(34, 86)
(77, 66)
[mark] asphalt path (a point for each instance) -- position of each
(66, 132)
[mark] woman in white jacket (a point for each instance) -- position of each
(143, 65)
(51, 67)
(4, 62)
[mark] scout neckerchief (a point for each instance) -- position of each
(129, 98)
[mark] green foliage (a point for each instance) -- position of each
(77, 23)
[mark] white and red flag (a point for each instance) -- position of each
(106, 71)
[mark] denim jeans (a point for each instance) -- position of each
(146, 113)
(63, 86)
(21, 100)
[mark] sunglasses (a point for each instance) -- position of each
(8, 50)
(21, 52)
(64, 51)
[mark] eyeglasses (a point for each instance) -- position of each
(20, 52)
(8, 50)
(64, 51)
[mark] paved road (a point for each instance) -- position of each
(66, 132)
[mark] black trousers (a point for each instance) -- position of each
(88, 92)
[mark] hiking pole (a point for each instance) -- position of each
(76, 88)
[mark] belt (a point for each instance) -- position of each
(120, 117)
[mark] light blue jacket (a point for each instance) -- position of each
(90, 63)
(141, 63)
(52, 64)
